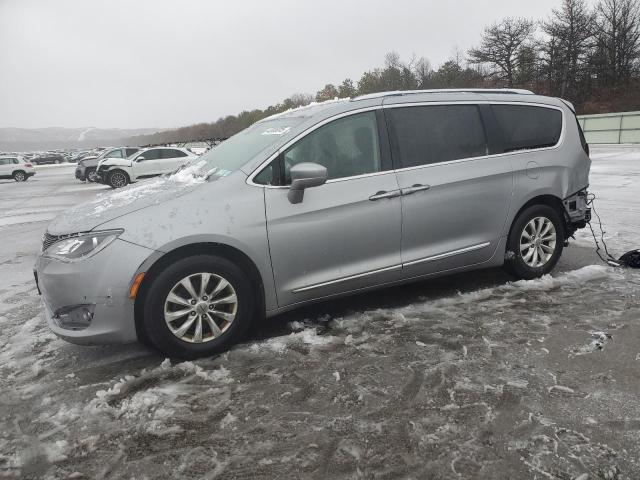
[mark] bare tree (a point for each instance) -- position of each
(618, 39)
(570, 30)
(500, 47)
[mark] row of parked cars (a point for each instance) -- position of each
(120, 166)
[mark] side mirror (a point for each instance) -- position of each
(305, 175)
(140, 159)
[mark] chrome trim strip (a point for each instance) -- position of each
(344, 279)
(448, 254)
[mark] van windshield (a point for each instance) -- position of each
(233, 153)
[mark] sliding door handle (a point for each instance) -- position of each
(384, 194)
(415, 188)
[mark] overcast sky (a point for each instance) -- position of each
(165, 63)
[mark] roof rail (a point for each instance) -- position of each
(510, 91)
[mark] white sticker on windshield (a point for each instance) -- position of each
(276, 131)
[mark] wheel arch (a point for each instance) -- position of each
(544, 199)
(233, 254)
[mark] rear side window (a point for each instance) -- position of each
(526, 127)
(114, 154)
(170, 153)
(438, 133)
(131, 151)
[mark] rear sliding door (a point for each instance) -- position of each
(455, 196)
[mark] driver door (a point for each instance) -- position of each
(345, 234)
(148, 163)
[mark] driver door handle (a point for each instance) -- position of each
(418, 187)
(384, 194)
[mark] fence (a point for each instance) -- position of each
(611, 127)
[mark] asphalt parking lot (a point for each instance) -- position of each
(470, 376)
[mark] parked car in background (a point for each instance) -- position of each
(150, 162)
(17, 168)
(86, 169)
(317, 203)
(48, 159)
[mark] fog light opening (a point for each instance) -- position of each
(74, 317)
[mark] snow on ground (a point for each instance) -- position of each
(471, 376)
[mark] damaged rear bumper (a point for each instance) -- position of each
(577, 211)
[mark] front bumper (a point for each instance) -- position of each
(102, 282)
(80, 173)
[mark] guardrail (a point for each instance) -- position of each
(614, 128)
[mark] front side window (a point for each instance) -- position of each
(4, 161)
(438, 133)
(525, 127)
(153, 154)
(131, 151)
(346, 147)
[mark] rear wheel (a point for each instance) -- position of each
(198, 306)
(536, 241)
(20, 176)
(117, 179)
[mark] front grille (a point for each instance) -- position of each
(48, 240)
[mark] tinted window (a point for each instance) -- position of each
(16, 161)
(115, 154)
(170, 153)
(438, 133)
(346, 147)
(131, 151)
(4, 161)
(525, 127)
(151, 154)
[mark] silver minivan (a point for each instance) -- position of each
(314, 203)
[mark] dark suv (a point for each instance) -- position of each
(48, 158)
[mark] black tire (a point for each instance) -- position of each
(20, 176)
(116, 178)
(90, 175)
(156, 331)
(517, 265)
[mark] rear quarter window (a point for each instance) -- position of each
(526, 127)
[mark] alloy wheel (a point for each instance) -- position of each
(538, 242)
(118, 179)
(19, 177)
(200, 307)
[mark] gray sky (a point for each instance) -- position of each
(165, 63)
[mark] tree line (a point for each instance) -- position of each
(589, 56)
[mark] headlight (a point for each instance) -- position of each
(81, 246)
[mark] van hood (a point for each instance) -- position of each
(114, 204)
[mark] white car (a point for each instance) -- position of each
(146, 163)
(17, 168)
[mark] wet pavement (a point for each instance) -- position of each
(469, 376)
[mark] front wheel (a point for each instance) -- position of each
(20, 176)
(117, 179)
(198, 306)
(535, 241)
(90, 175)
